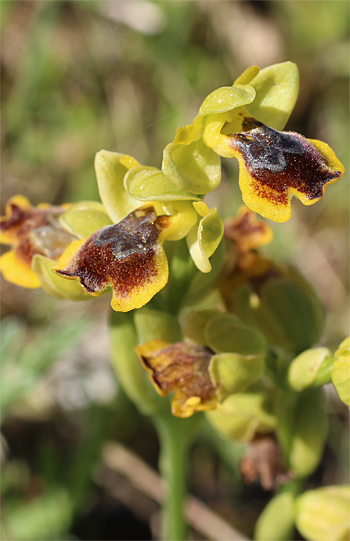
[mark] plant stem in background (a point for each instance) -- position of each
(175, 439)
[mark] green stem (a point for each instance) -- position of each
(175, 437)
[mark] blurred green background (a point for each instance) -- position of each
(79, 76)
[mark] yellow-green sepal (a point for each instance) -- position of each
(202, 240)
(192, 167)
(233, 373)
(310, 368)
(323, 514)
(150, 184)
(276, 522)
(341, 371)
(276, 89)
(111, 168)
(226, 333)
(55, 285)
(85, 218)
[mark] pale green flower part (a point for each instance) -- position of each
(111, 168)
(205, 236)
(308, 368)
(192, 167)
(145, 183)
(323, 514)
(84, 218)
(341, 371)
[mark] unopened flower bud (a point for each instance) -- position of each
(324, 514)
(312, 367)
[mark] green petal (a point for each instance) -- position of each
(232, 373)
(110, 171)
(277, 89)
(150, 184)
(203, 240)
(226, 333)
(57, 287)
(225, 99)
(192, 167)
(84, 218)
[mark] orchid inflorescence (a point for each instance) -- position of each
(244, 350)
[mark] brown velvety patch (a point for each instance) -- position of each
(122, 254)
(246, 231)
(264, 460)
(36, 231)
(282, 160)
(183, 368)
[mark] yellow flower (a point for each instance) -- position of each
(128, 256)
(30, 231)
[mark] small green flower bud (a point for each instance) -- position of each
(312, 367)
(324, 514)
(277, 520)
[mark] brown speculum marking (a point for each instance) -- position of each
(37, 231)
(122, 254)
(182, 367)
(282, 160)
